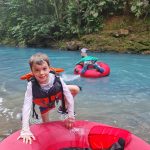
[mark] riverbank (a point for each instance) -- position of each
(120, 34)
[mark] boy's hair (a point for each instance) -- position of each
(38, 58)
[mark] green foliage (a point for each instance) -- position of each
(83, 17)
(27, 21)
(140, 7)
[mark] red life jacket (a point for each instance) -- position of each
(47, 98)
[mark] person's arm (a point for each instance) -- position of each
(70, 119)
(25, 133)
(69, 99)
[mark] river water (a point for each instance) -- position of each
(121, 99)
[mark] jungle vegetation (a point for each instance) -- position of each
(29, 22)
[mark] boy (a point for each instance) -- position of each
(44, 89)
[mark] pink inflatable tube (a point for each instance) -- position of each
(91, 72)
(54, 136)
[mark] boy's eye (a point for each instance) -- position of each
(44, 69)
(36, 70)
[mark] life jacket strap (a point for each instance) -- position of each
(50, 104)
(34, 112)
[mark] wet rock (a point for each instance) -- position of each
(146, 52)
(120, 33)
(72, 45)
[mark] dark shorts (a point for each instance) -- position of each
(44, 110)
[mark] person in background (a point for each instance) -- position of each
(44, 89)
(89, 60)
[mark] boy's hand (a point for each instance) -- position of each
(26, 138)
(69, 122)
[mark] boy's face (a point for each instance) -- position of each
(41, 72)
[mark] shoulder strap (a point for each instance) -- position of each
(53, 71)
